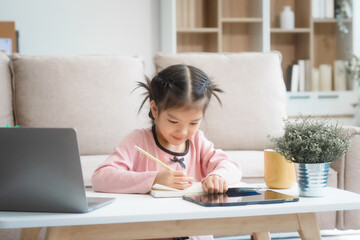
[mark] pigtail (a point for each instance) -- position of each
(214, 89)
(148, 93)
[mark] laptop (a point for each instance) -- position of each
(40, 171)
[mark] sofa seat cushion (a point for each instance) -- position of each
(89, 93)
(89, 164)
(252, 163)
(6, 109)
(254, 98)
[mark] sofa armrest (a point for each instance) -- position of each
(348, 169)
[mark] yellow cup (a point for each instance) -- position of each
(278, 173)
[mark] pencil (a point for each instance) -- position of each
(153, 158)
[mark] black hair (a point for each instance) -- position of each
(179, 86)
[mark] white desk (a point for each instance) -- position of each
(142, 216)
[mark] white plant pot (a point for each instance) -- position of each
(312, 178)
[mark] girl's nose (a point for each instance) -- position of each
(183, 131)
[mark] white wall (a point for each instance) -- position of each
(75, 27)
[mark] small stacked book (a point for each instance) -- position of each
(161, 191)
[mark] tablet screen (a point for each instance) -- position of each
(234, 198)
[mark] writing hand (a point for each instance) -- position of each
(174, 179)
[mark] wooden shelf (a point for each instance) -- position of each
(198, 30)
(254, 25)
(197, 42)
(196, 13)
(241, 8)
(338, 104)
(242, 20)
(241, 37)
(301, 9)
(332, 20)
(329, 45)
(219, 25)
(295, 30)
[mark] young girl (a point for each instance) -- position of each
(179, 96)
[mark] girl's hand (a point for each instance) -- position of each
(214, 184)
(174, 179)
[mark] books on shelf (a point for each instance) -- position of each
(161, 191)
(329, 77)
(325, 77)
(295, 78)
(329, 9)
(315, 80)
(188, 17)
(321, 9)
(288, 78)
(298, 76)
(307, 75)
(301, 64)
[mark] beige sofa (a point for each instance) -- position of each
(94, 95)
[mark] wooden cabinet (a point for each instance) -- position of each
(294, 44)
(254, 25)
(219, 25)
(197, 26)
(240, 22)
(329, 43)
(338, 105)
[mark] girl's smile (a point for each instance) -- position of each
(177, 139)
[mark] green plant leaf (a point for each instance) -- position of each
(312, 140)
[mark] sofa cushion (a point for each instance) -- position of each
(88, 165)
(252, 164)
(89, 93)
(6, 109)
(254, 101)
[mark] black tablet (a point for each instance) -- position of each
(236, 198)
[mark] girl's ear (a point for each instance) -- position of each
(154, 109)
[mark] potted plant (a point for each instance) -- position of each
(312, 144)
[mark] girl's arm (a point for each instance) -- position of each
(216, 162)
(128, 171)
(125, 170)
(115, 176)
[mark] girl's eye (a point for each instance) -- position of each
(194, 123)
(172, 121)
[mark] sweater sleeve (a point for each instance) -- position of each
(217, 162)
(122, 171)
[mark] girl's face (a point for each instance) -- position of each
(175, 126)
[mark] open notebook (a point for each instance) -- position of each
(161, 191)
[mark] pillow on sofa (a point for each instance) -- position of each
(6, 109)
(254, 98)
(89, 93)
